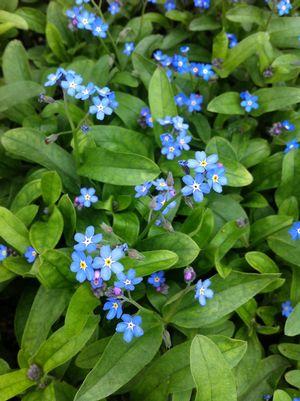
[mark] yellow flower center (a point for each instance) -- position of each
(215, 178)
(83, 265)
(115, 305)
(108, 261)
(203, 163)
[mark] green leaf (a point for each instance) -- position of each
(17, 265)
(51, 187)
(284, 28)
(230, 293)
(256, 151)
(68, 212)
(13, 19)
(181, 244)
(45, 235)
(247, 14)
(118, 139)
(151, 261)
(91, 353)
(261, 262)
(129, 109)
(280, 395)
(47, 307)
(29, 144)
(267, 226)
(127, 226)
(54, 270)
(117, 168)
(15, 64)
(292, 324)
(14, 383)
(18, 92)
(161, 96)
(293, 378)
(204, 23)
(35, 18)
(227, 103)
(206, 358)
(120, 361)
(55, 41)
(291, 351)
(276, 98)
(13, 231)
(27, 194)
(283, 246)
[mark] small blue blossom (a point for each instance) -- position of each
(79, 2)
(84, 92)
(30, 254)
(216, 179)
(183, 141)
(166, 138)
(184, 49)
(128, 280)
(103, 92)
(97, 281)
(53, 78)
(205, 4)
(202, 162)
(101, 107)
(85, 20)
(202, 291)
(249, 101)
(296, 399)
(180, 64)
(130, 327)
(291, 145)
(267, 397)
(171, 150)
(181, 99)
(194, 102)
(142, 190)
(161, 200)
(3, 252)
(206, 71)
(114, 307)
(128, 48)
(112, 100)
(284, 7)
(82, 266)
(287, 125)
(114, 8)
(195, 68)
(146, 119)
(294, 231)
(108, 261)
(87, 196)
(178, 124)
(286, 308)
(161, 184)
(71, 83)
(88, 241)
(170, 5)
(195, 186)
(165, 121)
(99, 28)
(232, 40)
(157, 279)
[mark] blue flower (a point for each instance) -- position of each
(195, 68)
(128, 280)
(165, 121)
(202, 162)
(296, 399)
(84, 92)
(99, 28)
(128, 48)
(130, 327)
(71, 83)
(82, 266)
(171, 150)
(291, 145)
(286, 308)
(85, 20)
(96, 281)
(203, 291)
(114, 8)
(114, 306)
(249, 101)
(88, 241)
(232, 40)
(216, 179)
(79, 2)
(166, 138)
(206, 71)
(157, 279)
(161, 184)
(3, 252)
(146, 117)
(183, 140)
(30, 254)
(184, 49)
(195, 186)
(170, 5)
(205, 4)
(181, 99)
(53, 78)
(101, 107)
(112, 100)
(194, 102)
(267, 397)
(142, 190)
(180, 64)
(284, 7)
(87, 196)
(85, 128)
(103, 92)
(294, 231)
(161, 200)
(108, 261)
(288, 125)
(178, 124)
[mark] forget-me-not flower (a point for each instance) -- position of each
(128, 48)
(87, 196)
(30, 254)
(130, 327)
(128, 280)
(88, 241)
(294, 231)
(101, 107)
(114, 306)
(3, 252)
(82, 266)
(71, 82)
(99, 28)
(286, 308)
(216, 179)
(291, 145)
(157, 279)
(202, 291)
(109, 261)
(249, 101)
(202, 162)
(195, 187)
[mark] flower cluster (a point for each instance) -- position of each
(192, 102)
(158, 282)
(180, 63)
(176, 139)
(208, 175)
(286, 308)
(145, 119)
(102, 99)
(81, 18)
(291, 145)
(204, 4)
(284, 7)
(279, 127)
(249, 101)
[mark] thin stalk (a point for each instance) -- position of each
(142, 20)
(73, 128)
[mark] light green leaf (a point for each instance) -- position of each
(161, 96)
(51, 187)
(12, 18)
(18, 92)
(27, 194)
(227, 103)
(292, 324)
(283, 246)
(14, 383)
(151, 261)
(13, 230)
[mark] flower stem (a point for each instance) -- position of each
(73, 128)
(131, 301)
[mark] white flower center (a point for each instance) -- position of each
(115, 305)
(249, 103)
(196, 186)
(100, 107)
(180, 63)
(130, 325)
(157, 279)
(87, 241)
(87, 197)
(215, 178)
(85, 21)
(202, 291)
(108, 261)
(298, 231)
(73, 85)
(205, 71)
(193, 103)
(127, 282)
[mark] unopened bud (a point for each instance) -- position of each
(117, 291)
(268, 72)
(184, 166)
(241, 222)
(85, 128)
(167, 339)
(168, 226)
(51, 138)
(107, 229)
(163, 289)
(189, 274)
(34, 372)
(170, 179)
(189, 201)
(45, 99)
(134, 254)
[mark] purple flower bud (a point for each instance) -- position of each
(217, 62)
(34, 372)
(85, 128)
(268, 72)
(189, 274)
(77, 203)
(117, 291)
(163, 289)
(99, 292)
(241, 222)
(45, 99)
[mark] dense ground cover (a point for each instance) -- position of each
(149, 202)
